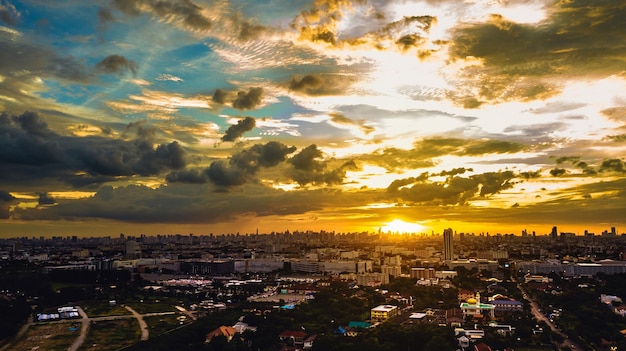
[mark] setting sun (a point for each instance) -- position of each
(400, 226)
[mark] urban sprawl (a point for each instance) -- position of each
(316, 290)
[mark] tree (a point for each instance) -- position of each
(438, 343)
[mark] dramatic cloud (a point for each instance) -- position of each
(8, 13)
(453, 191)
(117, 64)
(46, 199)
(220, 96)
(30, 150)
(321, 84)
(236, 130)
(240, 168)
(346, 114)
(310, 168)
(526, 54)
(186, 13)
(425, 152)
(5, 200)
(249, 100)
(22, 61)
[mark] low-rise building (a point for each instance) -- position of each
(383, 313)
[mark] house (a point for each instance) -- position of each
(454, 317)
(355, 327)
(224, 330)
(292, 337)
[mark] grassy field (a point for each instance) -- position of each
(48, 337)
(111, 335)
(103, 309)
(161, 324)
(154, 305)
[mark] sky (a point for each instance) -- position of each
(227, 116)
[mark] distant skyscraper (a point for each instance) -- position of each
(554, 233)
(448, 248)
(133, 250)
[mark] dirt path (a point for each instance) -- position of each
(142, 324)
(83, 330)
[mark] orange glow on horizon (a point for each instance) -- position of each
(402, 227)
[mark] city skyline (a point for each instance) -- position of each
(161, 117)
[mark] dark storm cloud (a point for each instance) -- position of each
(310, 168)
(567, 159)
(307, 159)
(613, 165)
(189, 176)
(321, 84)
(220, 96)
(6, 199)
(456, 171)
(8, 13)
(249, 100)
(268, 155)
(30, 150)
(46, 199)
(578, 39)
(117, 64)
(236, 130)
(246, 29)
(6, 196)
(141, 129)
(239, 169)
(557, 172)
(530, 174)
(181, 203)
(21, 61)
(453, 191)
(186, 12)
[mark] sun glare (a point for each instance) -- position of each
(402, 227)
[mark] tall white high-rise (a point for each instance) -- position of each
(448, 248)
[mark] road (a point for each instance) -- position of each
(539, 316)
